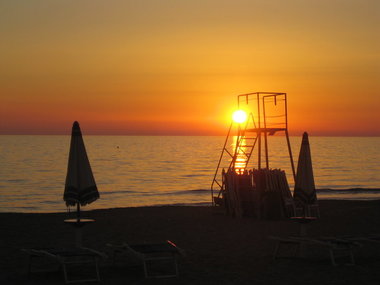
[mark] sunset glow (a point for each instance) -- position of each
(175, 67)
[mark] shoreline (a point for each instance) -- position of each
(324, 192)
(191, 205)
(219, 249)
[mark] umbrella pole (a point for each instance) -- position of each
(78, 229)
(78, 212)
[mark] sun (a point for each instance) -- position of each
(239, 116)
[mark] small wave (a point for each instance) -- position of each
(199, 190)
(49, 202)
(15, 180)
(26, 208)
(119, 192)
(194, 204)
(44, 170)
(188, 192)
(349, 190)
(167, 161)
(194, 175)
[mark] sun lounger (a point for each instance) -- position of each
(337, 247)
(65, 258)
(291, 246)
(150, 255)
(373, 238)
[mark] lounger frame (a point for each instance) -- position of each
(66, 258)
(150, 255)
(337, 247)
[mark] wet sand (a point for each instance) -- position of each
(219, 249)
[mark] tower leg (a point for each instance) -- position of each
(290, 155)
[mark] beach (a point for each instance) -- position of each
(219, 249)
(137, 117)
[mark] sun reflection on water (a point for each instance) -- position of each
(240, 162)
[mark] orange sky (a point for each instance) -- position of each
(175, 67)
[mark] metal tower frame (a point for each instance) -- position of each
(267, 115)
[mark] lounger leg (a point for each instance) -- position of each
(332, 257)
(176, 266)
(352, 257)
(145, 269)
(97, 269)
(64, 270)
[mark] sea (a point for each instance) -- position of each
(132, 171)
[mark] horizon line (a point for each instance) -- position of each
(182, 135)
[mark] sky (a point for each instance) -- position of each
(175, 67)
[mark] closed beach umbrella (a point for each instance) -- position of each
(304, 190)
(80, 186)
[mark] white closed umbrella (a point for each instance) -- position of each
(304, 190)
(80, 186)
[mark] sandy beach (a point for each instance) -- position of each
(219, 249)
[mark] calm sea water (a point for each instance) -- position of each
(153, 170)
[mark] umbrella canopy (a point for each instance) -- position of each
(80, 186)
(304, 190)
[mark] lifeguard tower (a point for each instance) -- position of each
(246, 145)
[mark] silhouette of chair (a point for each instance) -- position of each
(151, 256)
(65, 258)
(337, 247)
